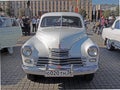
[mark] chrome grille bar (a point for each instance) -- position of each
(59, 53)
(45, 60)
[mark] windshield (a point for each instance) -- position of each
(67, 21)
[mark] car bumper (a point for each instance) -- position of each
(75, 70)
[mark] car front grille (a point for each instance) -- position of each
(59, 53)
(59, 57)
(45, 60)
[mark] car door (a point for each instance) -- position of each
(116, 33)
(4, 32)
(16, 31)
(9, 33)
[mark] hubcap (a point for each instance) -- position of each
(108, 44)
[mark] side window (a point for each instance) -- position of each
(117, 25)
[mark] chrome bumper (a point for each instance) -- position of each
(75, 70)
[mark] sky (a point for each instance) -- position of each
(106, 2)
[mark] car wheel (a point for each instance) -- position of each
(88, 77)
(31, 77)
(109, 45)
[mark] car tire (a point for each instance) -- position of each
(88, 77)
(109, 45)
(31, 77)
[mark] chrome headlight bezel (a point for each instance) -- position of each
(26, 51)
(93, 51)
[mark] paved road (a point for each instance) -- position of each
(107, 77)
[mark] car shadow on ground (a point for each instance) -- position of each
(76, 82)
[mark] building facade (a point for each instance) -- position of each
(85, 5)
(38, 7)
(4, 5)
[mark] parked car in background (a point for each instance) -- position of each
(10, 32)
(111, 35)
(60, 48)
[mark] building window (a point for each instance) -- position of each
(56, 3)
(39, 5)
(60, 5)
(42, 5)
(45, 5)
(49, 6)
(32, 5)
(64, 4)
(57, 6)
(53, 6)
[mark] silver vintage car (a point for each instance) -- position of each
(60, 48)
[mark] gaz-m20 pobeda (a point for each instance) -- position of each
(60, 48)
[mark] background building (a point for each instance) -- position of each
(83, 7)
(38, 7)
(4, 6)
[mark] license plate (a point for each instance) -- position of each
(57, 73)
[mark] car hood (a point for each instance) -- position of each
(60, 37)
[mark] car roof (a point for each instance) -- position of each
(61, 14)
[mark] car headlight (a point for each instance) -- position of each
(93, 51)
(27, 51)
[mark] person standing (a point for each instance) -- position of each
(26, 23)
(20, 21)
(34, 22)
(102, 25)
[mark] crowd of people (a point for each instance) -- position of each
(28, 24)
(102, 23)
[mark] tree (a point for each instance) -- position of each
(107, 13)
(82, 12)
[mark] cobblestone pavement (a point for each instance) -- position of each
(107, 77)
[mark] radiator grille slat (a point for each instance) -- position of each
(59, 61)
(59, 53)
